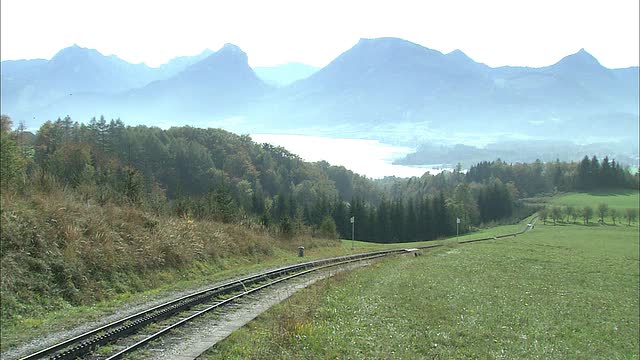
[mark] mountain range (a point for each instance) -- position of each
(376, 84)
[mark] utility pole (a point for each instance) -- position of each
(353, 231)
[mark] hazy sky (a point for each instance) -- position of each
(509, 32)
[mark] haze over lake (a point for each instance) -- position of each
(366, 157)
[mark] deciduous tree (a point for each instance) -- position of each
(556, 214)
(587, 213)
(571, 212)
(631, 215)
(613, 212)
(603, 210)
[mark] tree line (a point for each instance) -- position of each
(570, 214)
(540, 178)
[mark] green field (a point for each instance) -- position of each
(568, 291)
(621, 199)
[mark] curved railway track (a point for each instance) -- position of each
(200, 303)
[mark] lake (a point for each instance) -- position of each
(365, 157)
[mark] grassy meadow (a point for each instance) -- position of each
(619, 199)
(565, 291)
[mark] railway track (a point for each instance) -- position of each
(129, 334)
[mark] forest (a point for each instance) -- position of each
(217, 175)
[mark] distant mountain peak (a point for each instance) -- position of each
(387, 48)
(386, 41)
(583, 54)
(74, 51)
(459, 54)
(227, 62)
(231, 46)
(232, 51)
(581, 59)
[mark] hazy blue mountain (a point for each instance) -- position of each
(282, 75)
(220, 85)
(29, 85)
(576, 80)
(389, 80)
(73, 70)
(380, 80)
(14, 77)
(383, 87)
(177, 64)
(23, 68)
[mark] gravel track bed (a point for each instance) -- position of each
(193, 339)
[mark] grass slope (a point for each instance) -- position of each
(557, 292)
(621, 199)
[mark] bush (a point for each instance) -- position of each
(286, 228)
(327, 228)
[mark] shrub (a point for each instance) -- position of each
(327, 228)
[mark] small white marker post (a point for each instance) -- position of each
(457, 224)
(353, 224)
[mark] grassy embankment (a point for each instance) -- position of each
(565, 291)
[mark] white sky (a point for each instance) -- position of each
(496, 32)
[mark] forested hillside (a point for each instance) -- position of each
(214, 174)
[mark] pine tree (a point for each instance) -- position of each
(411, 222)
(341, 219)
